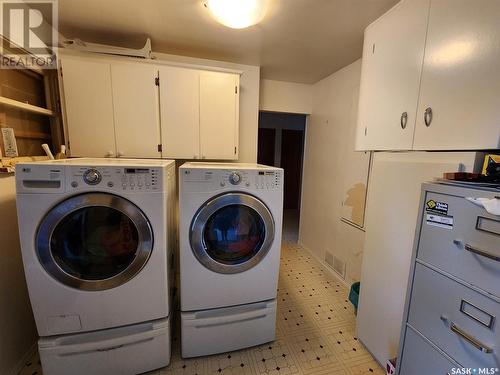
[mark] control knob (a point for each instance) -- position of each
(92, 177)
(235, 178)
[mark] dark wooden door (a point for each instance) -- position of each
(292, 149)
(265, 150)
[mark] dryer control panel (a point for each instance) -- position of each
(206, 179)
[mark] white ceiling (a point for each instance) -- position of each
(298, 41)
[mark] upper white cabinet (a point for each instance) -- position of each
(219, 113)
(199, 113)
(89, 108)
(390, 76)
(180, 112)
(461, 77)
(117, 108)
(135, 104)
(111, 109)
(440, 63)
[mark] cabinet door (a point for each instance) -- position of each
(89, 107)
(136, 112)
(180, 113)
(390, 77)
(461, 77)
(219, 115)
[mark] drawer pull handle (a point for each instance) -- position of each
(470, 339)
(482, 253)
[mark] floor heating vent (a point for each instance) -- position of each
(335, 263)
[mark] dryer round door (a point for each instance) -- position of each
(232, 233)
(94, 241)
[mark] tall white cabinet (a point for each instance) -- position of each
(117, 108)
(391, 212)
(431, 77)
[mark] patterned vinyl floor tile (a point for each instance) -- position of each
(275, 358)
(315, 331)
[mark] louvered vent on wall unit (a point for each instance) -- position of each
(335, 263)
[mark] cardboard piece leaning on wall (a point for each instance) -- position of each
(9, 143)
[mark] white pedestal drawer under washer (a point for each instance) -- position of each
(230, 238)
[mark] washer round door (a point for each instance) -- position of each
(94, 241)
(232, 233)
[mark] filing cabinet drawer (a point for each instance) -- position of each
(463, 242)
(420, 357)
(459, 320)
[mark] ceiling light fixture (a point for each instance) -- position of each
(237, 14)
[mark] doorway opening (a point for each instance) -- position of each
(281, 144)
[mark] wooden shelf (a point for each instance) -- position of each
(31, 135)
(25, 106)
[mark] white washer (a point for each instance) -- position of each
(230, 240)
(97, 237)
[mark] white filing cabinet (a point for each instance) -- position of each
(453, 298)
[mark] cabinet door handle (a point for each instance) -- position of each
(110, 154)
(482, 253)
(428, 116)
(404, 120)
(470, 339)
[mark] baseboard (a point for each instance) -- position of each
(326, 266)
(25, 358)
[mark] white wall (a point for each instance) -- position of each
(249, 101)
(329, 138)
(17, 327)
(289, 97)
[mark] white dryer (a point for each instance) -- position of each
(97, 237)
(230, 240)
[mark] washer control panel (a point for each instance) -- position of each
(115, 178)
(92, 176)
(235, 178)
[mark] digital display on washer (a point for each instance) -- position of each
(136, 170)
